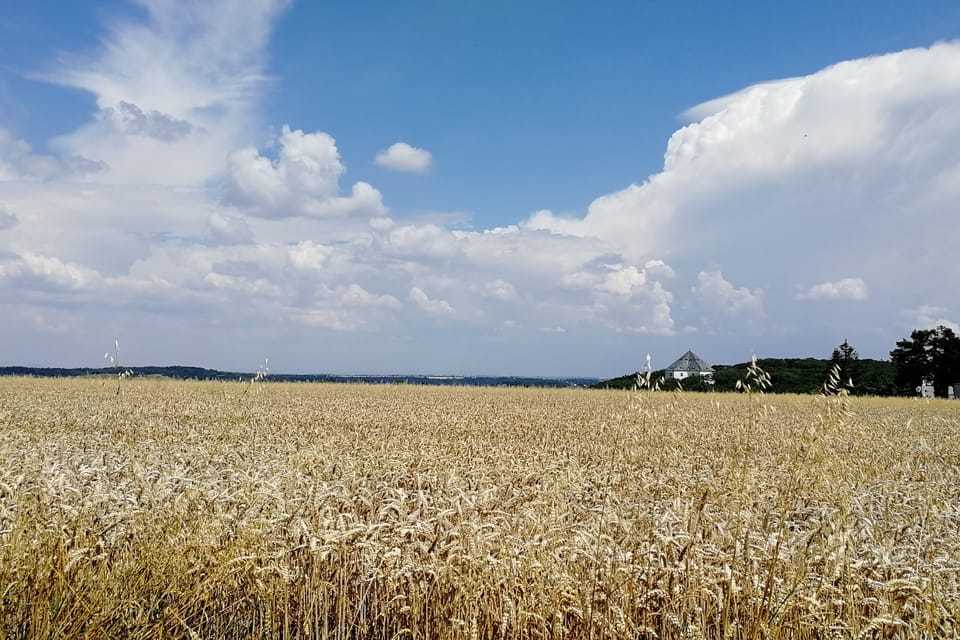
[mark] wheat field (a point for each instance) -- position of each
(228, 510)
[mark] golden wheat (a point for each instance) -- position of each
(185, 510)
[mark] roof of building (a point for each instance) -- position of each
(690, 362)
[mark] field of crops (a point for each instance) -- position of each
(223, 510)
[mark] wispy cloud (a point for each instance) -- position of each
(180, 86)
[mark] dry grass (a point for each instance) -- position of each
(183, 510)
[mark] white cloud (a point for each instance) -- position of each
(661, 321)
(326, 318)
(623, 280)
(356, 296)
(308, 255)
(47, 271)
(226, 228)
(381, 224)
(418, 241)
(545, 220)
(580, 280)
(246, 287)
(178, 87)
(499, 289)
(400, 156)
(345, 309)
(930, 317)
(868, 137)
(844, 289)
(717, 293)
(303, 180)
(625, 297)
(130, 119)
(659, 269)
(184, 56)
(433, 307)
(19, 162)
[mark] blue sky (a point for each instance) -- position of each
(509, 188)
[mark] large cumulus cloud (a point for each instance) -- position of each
(851, 169)
(303, 180)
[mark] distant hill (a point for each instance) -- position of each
(179, 372)
(199, 373)
(787, 375)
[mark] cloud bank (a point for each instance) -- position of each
(162, 221)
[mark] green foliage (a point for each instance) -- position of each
(690, 383)
(927, 353)
(836, 384)
(757, 379)
(787, 375)
(845, 364)
(876, 378)
(629, 382)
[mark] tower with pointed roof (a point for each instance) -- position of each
(689, 364)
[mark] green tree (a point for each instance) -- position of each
(927, 353)
(847, 361)
(876, 378)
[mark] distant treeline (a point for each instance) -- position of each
(787, 375)
(199, 373)
(179, 372)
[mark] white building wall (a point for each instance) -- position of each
(680, 375)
